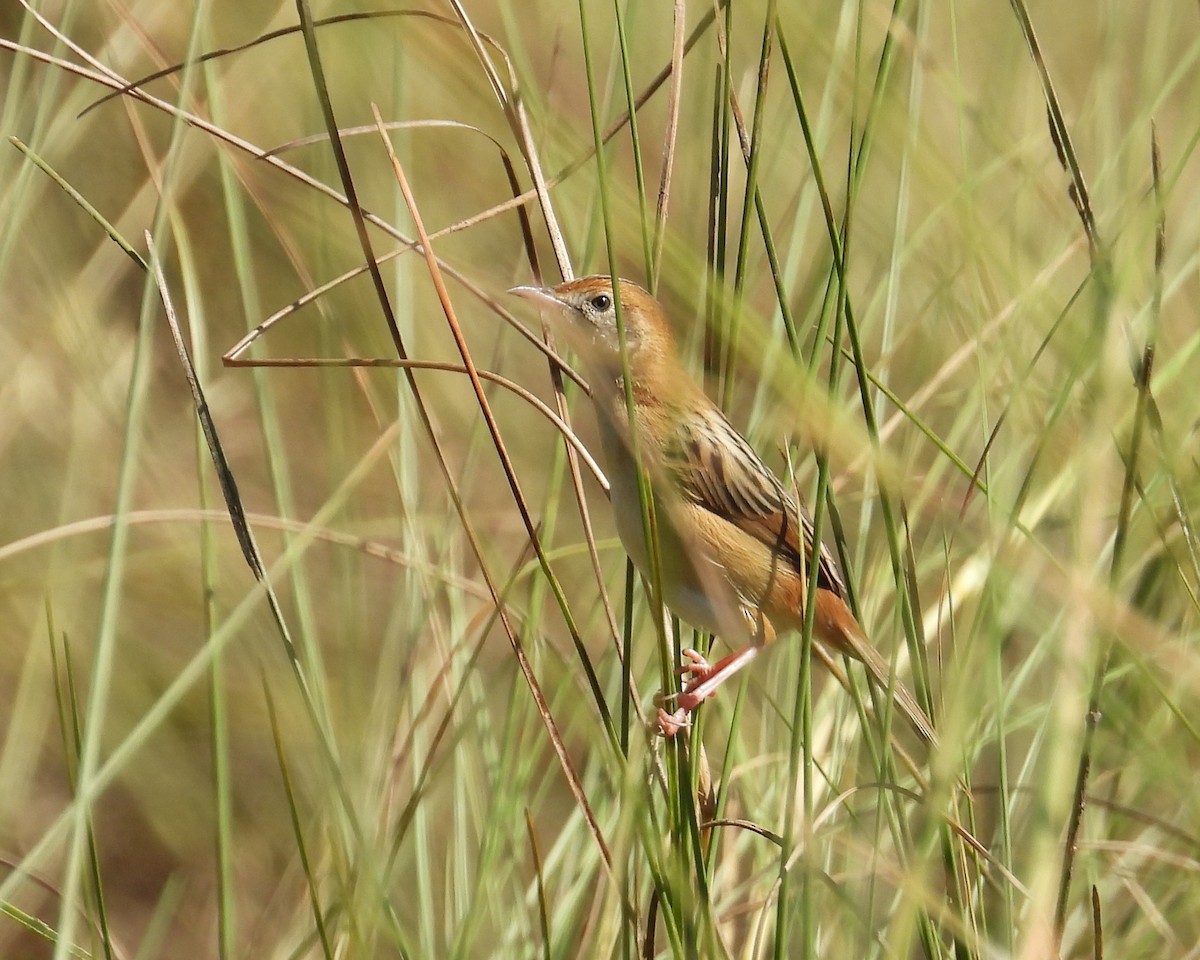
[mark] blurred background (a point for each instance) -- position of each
(1017, 501)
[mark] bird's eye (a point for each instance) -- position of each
(601, 302)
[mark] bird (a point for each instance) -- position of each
(734, 547)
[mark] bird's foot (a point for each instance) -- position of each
(699, 670)
(669, 724)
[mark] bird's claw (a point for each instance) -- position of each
(699, 670)
(669, 724)
(699, 667)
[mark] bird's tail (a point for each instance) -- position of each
(881, 675)
(850, 639)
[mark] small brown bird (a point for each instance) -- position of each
(733, 545)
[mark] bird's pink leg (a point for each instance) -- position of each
(706, 678)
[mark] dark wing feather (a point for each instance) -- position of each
(714, 467)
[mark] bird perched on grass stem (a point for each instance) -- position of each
(734, 547)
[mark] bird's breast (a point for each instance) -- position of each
(695, 587)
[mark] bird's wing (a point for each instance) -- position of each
(715, 468)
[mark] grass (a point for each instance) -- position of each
(937, 262)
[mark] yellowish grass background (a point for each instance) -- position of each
(420, 777)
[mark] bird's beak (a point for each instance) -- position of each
(542, 296)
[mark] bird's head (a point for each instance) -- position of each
(589, 307)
